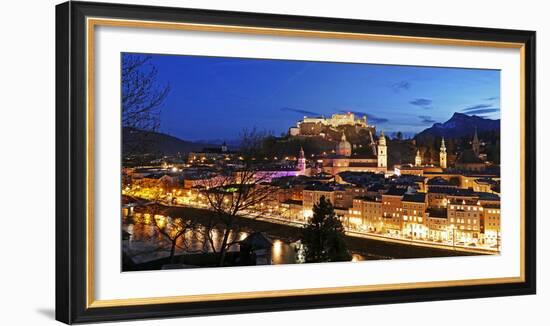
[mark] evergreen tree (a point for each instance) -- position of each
(323, 236)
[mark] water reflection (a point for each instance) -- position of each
(146, 242)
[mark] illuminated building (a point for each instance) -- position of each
(292, 210)
(312, 195)
(418, 159)
(344, 147)
(491, 224)
(344, 159)
(414, 214)
(315, 126)
(366, 213)
(392, 210)
(382, 151)
(443, 155)
(437, 224)
(485, 185)
(408, 170)
(438, 197)
(465, 219)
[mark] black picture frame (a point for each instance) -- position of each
(71, 156)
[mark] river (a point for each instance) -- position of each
(145, 243)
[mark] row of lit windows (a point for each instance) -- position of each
(459, 220)
(463, 214)
(469, 208)
(392, 214)
(412, 218)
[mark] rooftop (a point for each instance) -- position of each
(437, 212)
(396, 191)
(487, 196)
(419, 197)
(369, 198)
(451, 191)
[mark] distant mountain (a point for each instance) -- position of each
(139, 141)
(459, 125)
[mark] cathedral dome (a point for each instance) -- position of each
(343, 147)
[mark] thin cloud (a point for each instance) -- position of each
(484, 111)
(422, 102)
(492, 98)
(401, 86)
(426, 119)
(476, 107)
(304, 112)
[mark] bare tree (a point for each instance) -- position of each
(237, 192)
(173, 229)
(142, 95)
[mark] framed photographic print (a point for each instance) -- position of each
(216, 162)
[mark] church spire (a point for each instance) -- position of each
(382, 139)
(418, 158)
(475, 143)
(443, 154)
(382, 154)
(302, 162)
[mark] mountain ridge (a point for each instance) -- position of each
(153, 142)
(460, 125)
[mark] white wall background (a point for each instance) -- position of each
(27, 162)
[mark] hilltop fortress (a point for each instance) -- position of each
(361, 153)
(321, 126)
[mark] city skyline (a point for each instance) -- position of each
(213, 93)
(335, 184)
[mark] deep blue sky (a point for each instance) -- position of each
(214, 98)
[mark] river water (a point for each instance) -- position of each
(146, 243)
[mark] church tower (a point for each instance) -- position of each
(443, 155)
(382, 151)
(475, 144)
(302, 162)
(417, 158)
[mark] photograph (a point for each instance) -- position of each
(233, 162)
(226, 161)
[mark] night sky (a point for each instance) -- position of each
(214, 98)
